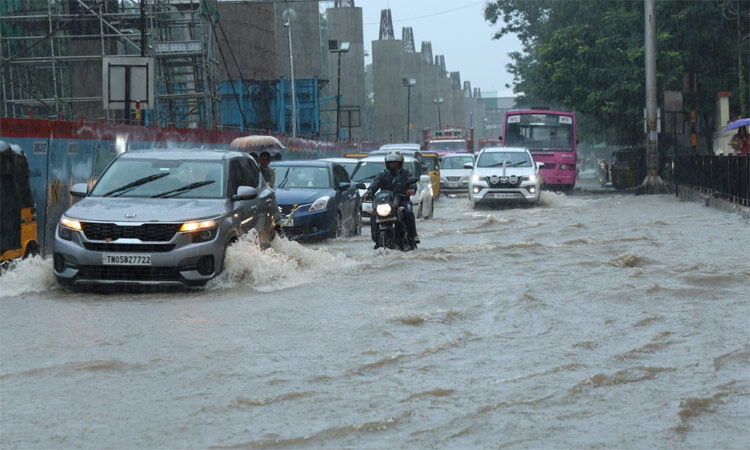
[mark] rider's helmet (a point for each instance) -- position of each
(394, 157)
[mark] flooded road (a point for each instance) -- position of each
(588, 321)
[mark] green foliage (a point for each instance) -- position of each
(588, 56)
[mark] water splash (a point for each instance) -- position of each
(283, 265)
(27, 275)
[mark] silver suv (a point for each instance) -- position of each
(162, 217)
(504, 174)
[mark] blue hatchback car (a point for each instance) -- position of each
(316, 199)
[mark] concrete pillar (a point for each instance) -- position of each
(250, 31)
(722, 109)
(390, 111)
(345, 25)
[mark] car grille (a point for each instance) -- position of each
(148, 232)
(453, 179)
(504, 181)
(111, 247)
(124, 273)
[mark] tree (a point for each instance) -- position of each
(591, 59)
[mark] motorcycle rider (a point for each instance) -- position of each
(395, 178)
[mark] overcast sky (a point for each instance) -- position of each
(456, 28)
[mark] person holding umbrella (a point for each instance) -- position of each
(740, 142)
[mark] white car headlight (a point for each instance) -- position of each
(475, 178)
(383, 209)
(320, 203)
(532, 178)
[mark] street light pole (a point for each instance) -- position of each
(408, 84)
(334, 47)
(438, 101)
(289, 14)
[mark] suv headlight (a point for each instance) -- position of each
(532, 178)
(475, 178)
(66, 228)
(200, 230)
(320, 203)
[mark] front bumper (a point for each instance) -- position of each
(527, 192)
(79, 261)
(454, 187)
(307, 224)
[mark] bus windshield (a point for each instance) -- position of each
(540, 131)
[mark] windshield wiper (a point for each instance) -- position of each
(283, 182)
(183, 189)
(516, 164)
(497, 164)
(132, 185)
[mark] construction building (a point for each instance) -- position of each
(53, 55)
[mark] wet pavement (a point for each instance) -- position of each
(609, 320)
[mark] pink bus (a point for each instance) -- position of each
(551, 138)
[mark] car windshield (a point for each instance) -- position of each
(307, 177)
(349, 166)
(496, 159)
(430, 163)
(456, 162)
(366, 171)
(162, 178)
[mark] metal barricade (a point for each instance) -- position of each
(722, 176)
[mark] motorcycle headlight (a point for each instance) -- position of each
(383, 209)
(320, 203)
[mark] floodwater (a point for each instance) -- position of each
(589, 321)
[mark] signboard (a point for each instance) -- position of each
(127, 80)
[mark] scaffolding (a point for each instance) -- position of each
(52, 53)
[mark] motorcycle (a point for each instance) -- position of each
(389, 215)
(389, 209)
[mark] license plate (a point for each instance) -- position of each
(452, 185)
(367, 207)
(287, 221)
(502, 195)
(126, 259)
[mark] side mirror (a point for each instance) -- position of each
(539, 165)
(344, 185)
(361, 185)
(468, 166)
(245, 193)
(79, 190)
(425, 179)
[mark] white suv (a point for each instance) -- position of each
(504, 174)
